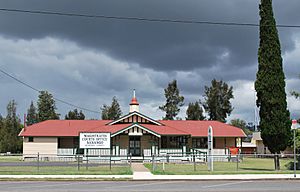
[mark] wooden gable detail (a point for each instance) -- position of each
(135, 119)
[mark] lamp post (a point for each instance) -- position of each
(294, 127)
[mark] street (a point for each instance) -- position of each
(153, 186)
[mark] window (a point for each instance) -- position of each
(173, 142)
(201, 143)
(30, 139)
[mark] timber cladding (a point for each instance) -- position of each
(42, 145)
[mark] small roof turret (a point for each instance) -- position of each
(134, 104)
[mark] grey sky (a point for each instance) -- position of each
(88, 61)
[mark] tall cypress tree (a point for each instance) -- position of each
(275, 121)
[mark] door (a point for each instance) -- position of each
(135, 146)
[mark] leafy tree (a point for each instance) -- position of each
(241, 124)
(275, 123)
(173, 101)
(75, 115)
(31, 117)
(10, 128)
(296, 94)
(111, 112)
(105, 112)
(46, 107)
(217, 100)
(194, 111)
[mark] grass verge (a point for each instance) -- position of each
(60, 170)
(246, 166)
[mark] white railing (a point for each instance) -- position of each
(123, 152)
(98, 152)
(147, 152)
(176, 152)
(218, 154)
(66, 151)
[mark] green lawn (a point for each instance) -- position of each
(10, 158)
(59, 170)
(247, 166)
(70, 168)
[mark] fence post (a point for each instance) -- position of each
(78, 165)
(237, 162)
(38, 162)
(130, 162)
(110, 161)
(87, 160)
(153, 168)
(194, 160)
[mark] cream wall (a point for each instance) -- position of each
(41, 145)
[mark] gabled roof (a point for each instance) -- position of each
(72, 128)
(135, 113)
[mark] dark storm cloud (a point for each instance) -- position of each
(64, 53)
(160, 46)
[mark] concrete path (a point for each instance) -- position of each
(140, 172)
(139, 167)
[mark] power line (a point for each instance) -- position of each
(55, 98)
(141, 19)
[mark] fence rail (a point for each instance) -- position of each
(72, 164)
(165, 163)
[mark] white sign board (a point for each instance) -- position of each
(94, 140)
(210, 145)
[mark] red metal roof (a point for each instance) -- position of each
(200, 128)
(60, 128)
